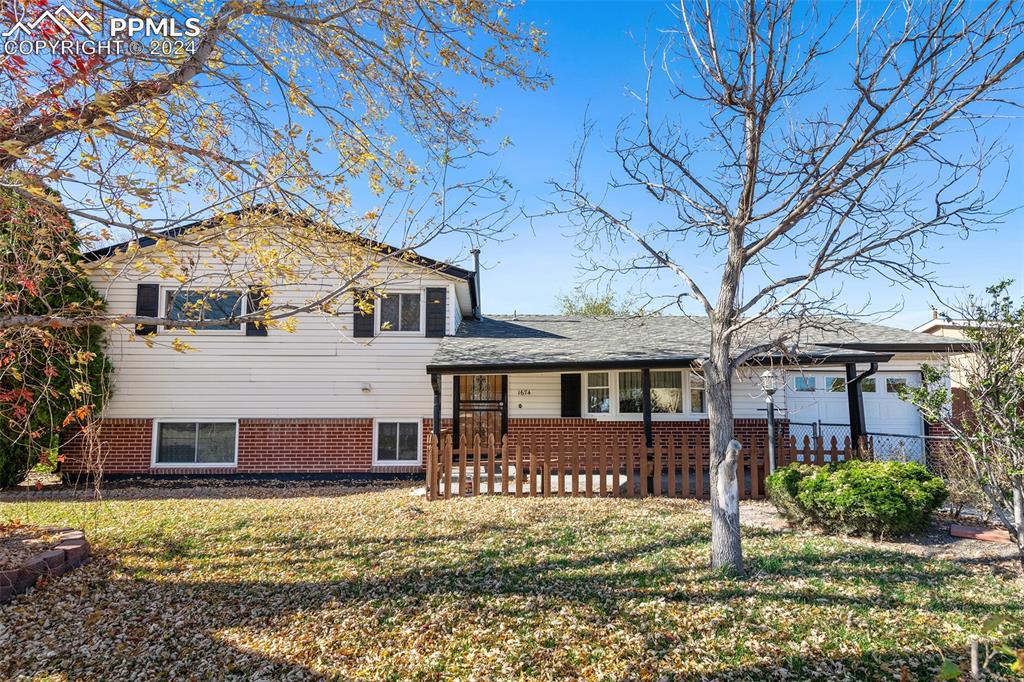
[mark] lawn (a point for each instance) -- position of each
(355, 584)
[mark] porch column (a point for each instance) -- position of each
(435, 383)
(855, 400)
(456, 436)
(645, 378)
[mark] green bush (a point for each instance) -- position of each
(875, 498)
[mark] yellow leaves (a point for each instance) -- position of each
(13, 148)
(229, 176)
(80, 389)
(180, 346)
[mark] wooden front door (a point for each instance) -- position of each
(481, 403)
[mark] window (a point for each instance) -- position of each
(195, 443)
(697, 394)
(205, 305)
(835, 384)
(894, 384)
(667, 392)
(867, 385)
(804, 384)
(400, 313)
(631, 394)
(397, 442)
(598, 393)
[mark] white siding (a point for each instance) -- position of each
(540, 395)
(317, 371)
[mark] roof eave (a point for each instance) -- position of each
(945, 347)
(800, 360)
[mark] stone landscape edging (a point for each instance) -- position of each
(70, 551)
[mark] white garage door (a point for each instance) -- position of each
(817, 403)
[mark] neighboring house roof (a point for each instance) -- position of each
(386, 249)
(503, 343)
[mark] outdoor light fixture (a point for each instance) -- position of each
(770, 384)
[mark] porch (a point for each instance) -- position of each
(564, 465)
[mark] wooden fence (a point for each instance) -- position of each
(608, 467)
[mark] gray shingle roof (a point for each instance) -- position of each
(539, 342)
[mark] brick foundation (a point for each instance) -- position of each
(346, 445)
(746, 430)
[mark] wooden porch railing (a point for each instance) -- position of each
(608, 467)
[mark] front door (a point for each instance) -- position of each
(481, 404)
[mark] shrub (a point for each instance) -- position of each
(782, 488)
(876, 498)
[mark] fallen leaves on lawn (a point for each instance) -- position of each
(301, 583)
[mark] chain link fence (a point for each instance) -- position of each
(887, 446)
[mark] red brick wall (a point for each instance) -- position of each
(264, 446)
(346, 445)
(746, 430)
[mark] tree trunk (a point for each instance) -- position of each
(726, 551)
(1018, 520)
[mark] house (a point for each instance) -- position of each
(361, 392)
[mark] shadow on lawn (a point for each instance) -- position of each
(153, 621)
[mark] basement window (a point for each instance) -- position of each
(195, 444)
(397, 442)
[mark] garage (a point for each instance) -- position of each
(816, 404)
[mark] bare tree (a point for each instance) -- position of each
(789, 178)
(987, 429)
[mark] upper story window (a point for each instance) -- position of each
(206, 306)
(804, 384)
(401, 312)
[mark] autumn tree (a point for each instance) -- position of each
(580, 303)
(286, 105)
(52, 379)
(988, 430)
(301, 135)
(789, 150)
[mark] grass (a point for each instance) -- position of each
(331, 582)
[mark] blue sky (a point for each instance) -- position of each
(594, 56)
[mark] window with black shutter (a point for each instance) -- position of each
(437, 311)
(147, 304)
(256, 299)
(362, 315)
(571, 387)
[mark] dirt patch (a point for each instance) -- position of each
(934, 542)
(18, 543)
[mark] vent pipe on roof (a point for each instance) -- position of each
(476, 280)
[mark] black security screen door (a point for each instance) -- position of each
(481, 403)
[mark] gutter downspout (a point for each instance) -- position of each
(855, 398)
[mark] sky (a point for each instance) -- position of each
(595, 58)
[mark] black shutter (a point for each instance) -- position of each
(362, 323)
(571, 387)
(147, 304)
(437, 311)
(256, 299)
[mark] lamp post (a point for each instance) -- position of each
(770, 384)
